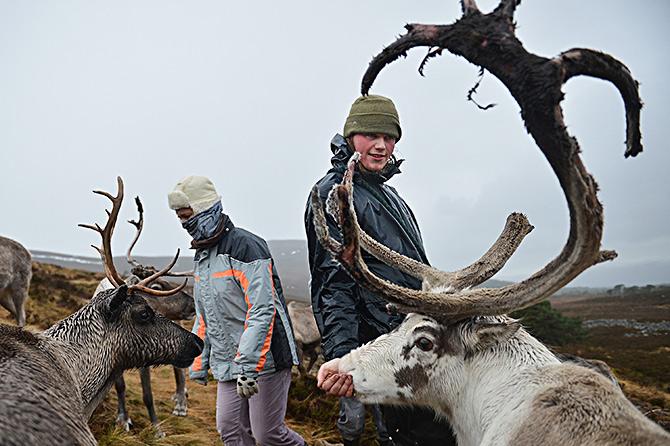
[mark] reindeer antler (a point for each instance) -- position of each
(488, 40)
(105, 250)
(139, 225)
(147, 270)
(515, 230)
(142, 285)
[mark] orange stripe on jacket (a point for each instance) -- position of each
(268, 337)
(197, 364)
(244, 283)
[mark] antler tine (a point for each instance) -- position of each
(417, 35)
(180, 274)
(506, 8)
(139, 225)
(586, 62)
(469, 7)
(515, 230)
(147, 290)
(321, 225)
(106, 233)
(142, 285)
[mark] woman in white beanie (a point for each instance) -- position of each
(241, 316)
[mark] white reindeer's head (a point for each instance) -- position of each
(418, 360)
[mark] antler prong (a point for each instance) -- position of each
(147, 290)
(469, 7)
(586, 62)
(106, 233)
(139, 225)
(506, 8)
(160, 273)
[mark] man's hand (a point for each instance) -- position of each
(332, 381)
(246, 387)
(201, 381)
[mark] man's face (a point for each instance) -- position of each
(375, 149)
(184, 214)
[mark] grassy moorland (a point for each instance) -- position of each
(639, 357)
(641, 362)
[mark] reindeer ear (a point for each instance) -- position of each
(115, 304)
(490, 332)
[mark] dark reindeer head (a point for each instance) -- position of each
(142, 336)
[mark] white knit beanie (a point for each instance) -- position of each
(195, 192)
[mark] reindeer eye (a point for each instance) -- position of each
(424, 344)
(156, 286)
(145, 315)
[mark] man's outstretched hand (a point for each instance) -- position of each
(330, 380)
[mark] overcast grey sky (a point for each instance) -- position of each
(250, 94)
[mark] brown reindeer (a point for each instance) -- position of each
(51, 382)
(15, 274)
(175, 306)
(456, 351)
(306, 334)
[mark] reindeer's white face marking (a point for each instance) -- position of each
(404, 364)
(422, 357)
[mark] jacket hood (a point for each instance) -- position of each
(342, 152)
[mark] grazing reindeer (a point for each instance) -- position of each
(306, 334)
(456, 351)
(176, 306)
(15, 274)
(52, 382)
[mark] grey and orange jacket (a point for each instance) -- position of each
(241, 313)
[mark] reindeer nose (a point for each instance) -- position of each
(196, 346)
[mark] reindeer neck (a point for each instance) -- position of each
(81, 342)
(495, 384)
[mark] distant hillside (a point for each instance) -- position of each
(290, 257)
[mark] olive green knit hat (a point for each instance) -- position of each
(373, 114)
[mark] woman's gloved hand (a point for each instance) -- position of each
(246, 386)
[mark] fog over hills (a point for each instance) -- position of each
(290, 257)
(291, 260)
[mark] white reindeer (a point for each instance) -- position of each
(456, 351)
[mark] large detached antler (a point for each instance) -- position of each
(488, 40)
(105, 250)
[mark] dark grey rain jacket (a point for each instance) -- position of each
(346, 314)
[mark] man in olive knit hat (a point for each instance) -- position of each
(348, 315)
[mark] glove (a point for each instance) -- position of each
(246, 386)
(202, 381)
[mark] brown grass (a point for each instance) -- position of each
(642, 364)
